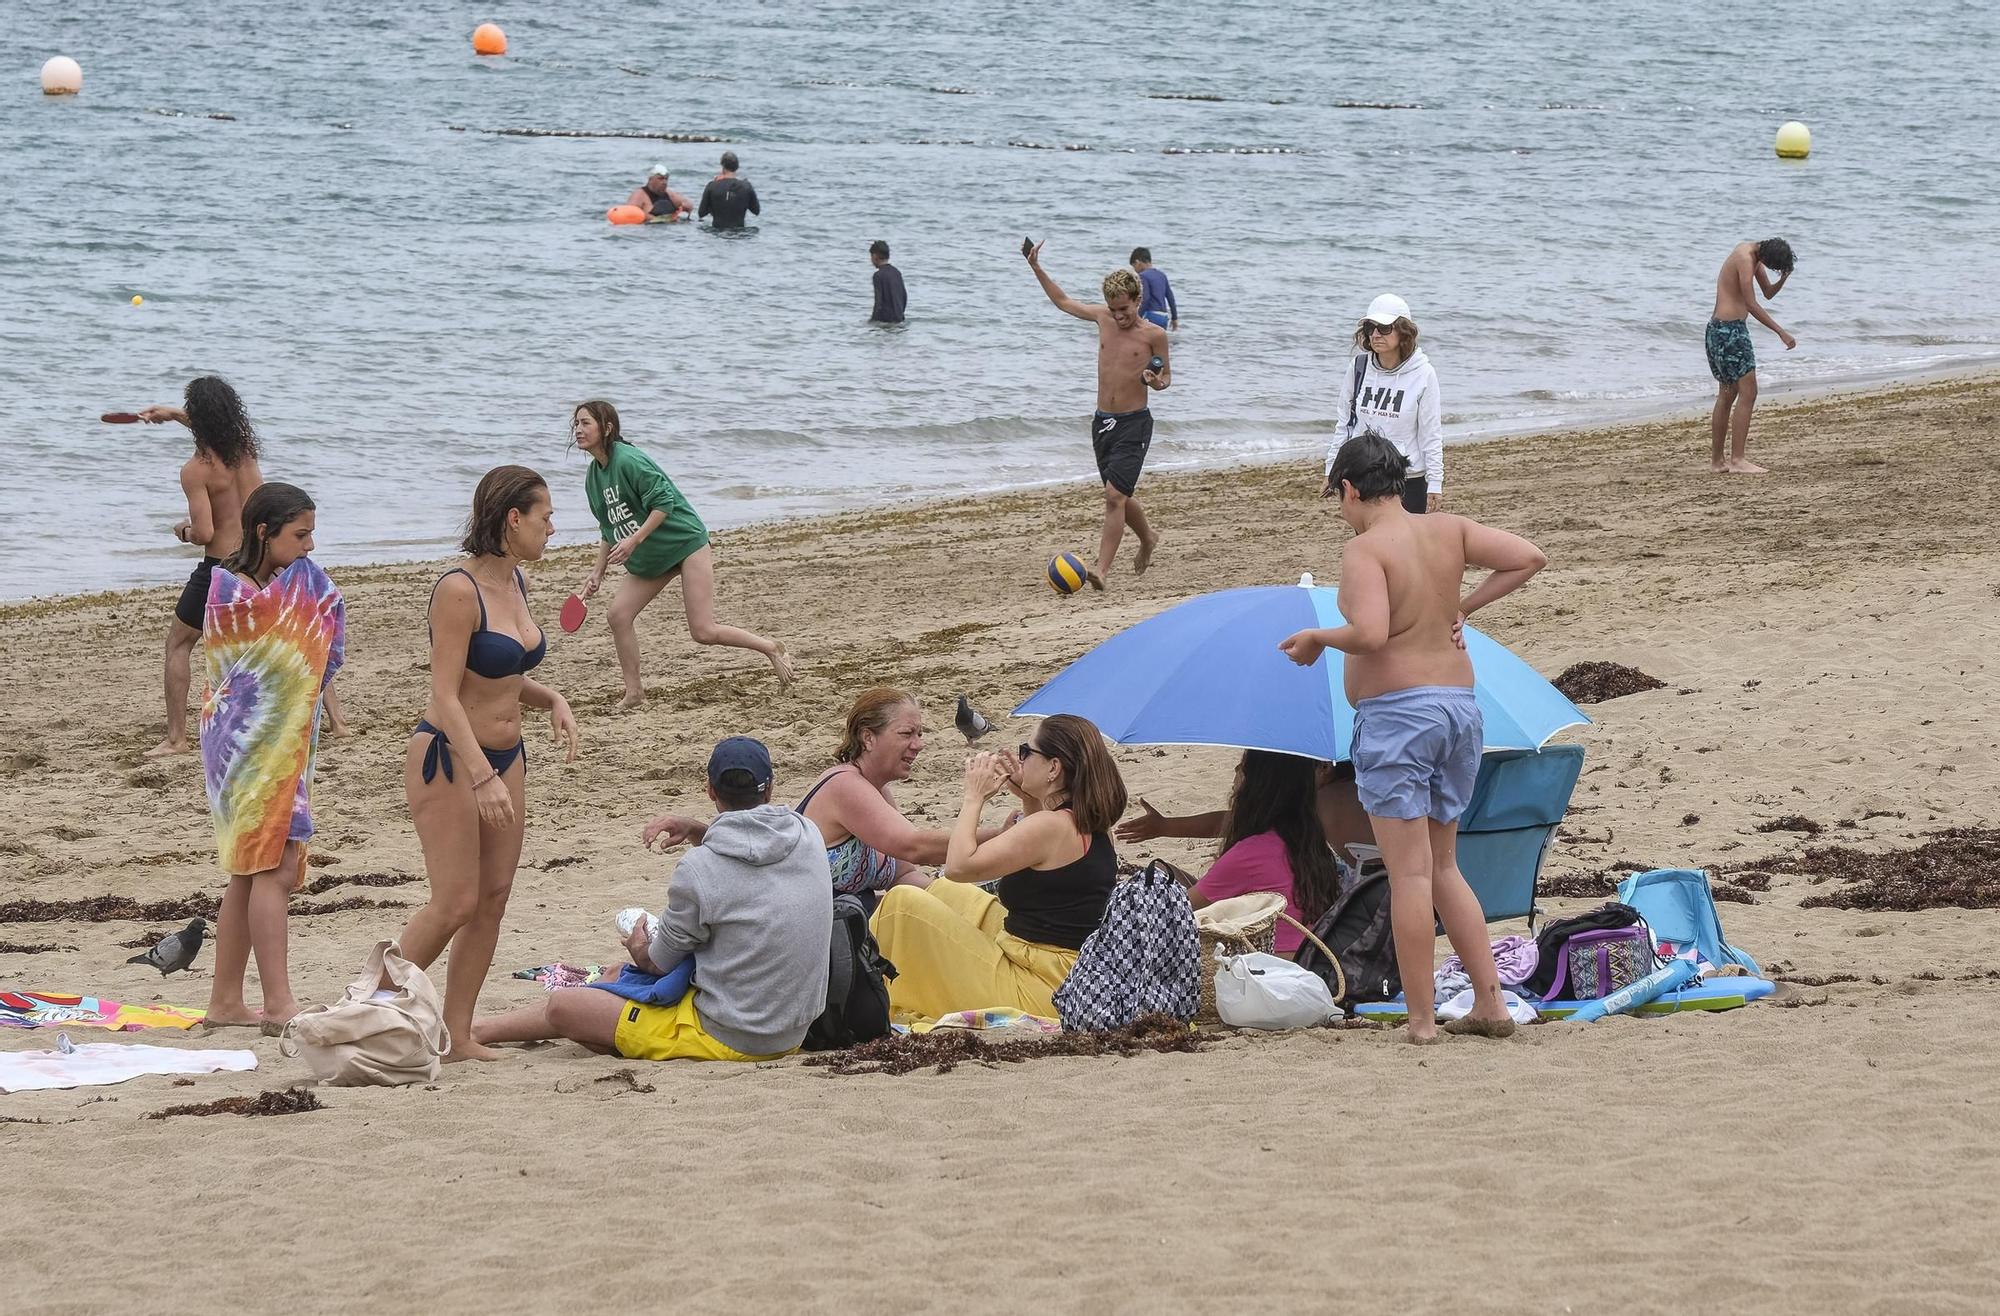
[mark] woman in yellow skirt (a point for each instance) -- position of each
(957, 948)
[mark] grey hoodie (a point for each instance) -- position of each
(753, 903)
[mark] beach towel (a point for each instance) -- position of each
(96, 1064)
(555, 977)
(62, 1010)
(635, 984)
(271, 653)
(997, 1019)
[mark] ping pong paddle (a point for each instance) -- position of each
(573, 613)
(120, 418)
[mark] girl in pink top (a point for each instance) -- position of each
(1273, 840)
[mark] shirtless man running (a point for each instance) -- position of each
(221, 474)
(1731, 359)
(1122, 429)
(1417, 731)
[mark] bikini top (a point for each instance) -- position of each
(489, 653)
(857, 866)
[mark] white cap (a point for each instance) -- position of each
(1387, 309)
(658, 171)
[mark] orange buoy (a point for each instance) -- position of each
(488, 39)
(625, 215)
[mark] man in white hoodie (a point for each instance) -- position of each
(1390, 388)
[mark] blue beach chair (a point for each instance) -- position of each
(1505, 833)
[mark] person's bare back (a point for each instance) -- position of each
(225, 489)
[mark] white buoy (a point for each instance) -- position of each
(1794, 141)
(62, 76)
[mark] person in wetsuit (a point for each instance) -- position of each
(657, 199)
(890, 297)
(728, 198)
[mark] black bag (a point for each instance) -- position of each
(1357, 930)
(1549, 942)
(857, 987)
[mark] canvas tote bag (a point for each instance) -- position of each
(363, 1038)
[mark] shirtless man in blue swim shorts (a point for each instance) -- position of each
(1731, 359)
(1417, 730)
(1121, 430)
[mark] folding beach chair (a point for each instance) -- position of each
(1505, 833)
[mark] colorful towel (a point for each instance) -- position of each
(95, 1064)
(60, 1010)
(996, 1019)
(557, 976)
(271, 653)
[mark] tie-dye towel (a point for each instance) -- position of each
(271, 652)
(63, 1010)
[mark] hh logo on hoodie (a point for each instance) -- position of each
(1380, 398)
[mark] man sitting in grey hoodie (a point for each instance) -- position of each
(753, 903)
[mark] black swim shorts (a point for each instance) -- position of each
(194, 598)
(1120, 440)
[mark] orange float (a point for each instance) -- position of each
(625, 215)
(488, 39)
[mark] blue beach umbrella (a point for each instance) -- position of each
(1208, 672)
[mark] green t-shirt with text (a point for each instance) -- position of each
(623, 492)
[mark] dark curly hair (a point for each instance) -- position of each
(1280, 793)
(1775, 254)
(221, 426)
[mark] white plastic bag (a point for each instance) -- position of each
(1263, 991)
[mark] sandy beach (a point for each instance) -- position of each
(1824, 636)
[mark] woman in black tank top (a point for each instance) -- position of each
(957, 948)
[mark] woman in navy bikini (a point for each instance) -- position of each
(467, 761)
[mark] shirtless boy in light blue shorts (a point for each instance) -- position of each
(1417, 731)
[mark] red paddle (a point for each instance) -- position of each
(573, 613)
(120, 418)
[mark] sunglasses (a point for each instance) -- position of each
(1026, 751)
(1370, 327)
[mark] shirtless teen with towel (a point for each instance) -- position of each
(1122, 429)
(1417, 732)
(1731, 359)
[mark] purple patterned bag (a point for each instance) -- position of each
(1592, 965)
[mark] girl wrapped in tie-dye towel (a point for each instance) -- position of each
(275, 631)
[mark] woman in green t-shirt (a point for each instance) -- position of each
(647, 526)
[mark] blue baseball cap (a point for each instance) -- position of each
(740, 754)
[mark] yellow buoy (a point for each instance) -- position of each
(62, 76)
(1794, 141)
(137, 300)
(488, 39)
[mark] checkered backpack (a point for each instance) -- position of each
(1142, 959)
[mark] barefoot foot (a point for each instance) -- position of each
(1718, 467)
(1476, 1026)
(469, 1051)
(1744, 466)
(1096, 581)
(239, 1017)
(166, 747)
(1421, 1037)
(1145, 558)
(632, 699)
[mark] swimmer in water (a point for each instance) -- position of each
(657, 199)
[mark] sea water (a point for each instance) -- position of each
(320, 206)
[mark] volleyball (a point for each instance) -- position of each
(1066, 573)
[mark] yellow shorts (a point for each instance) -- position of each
(671, 1032)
